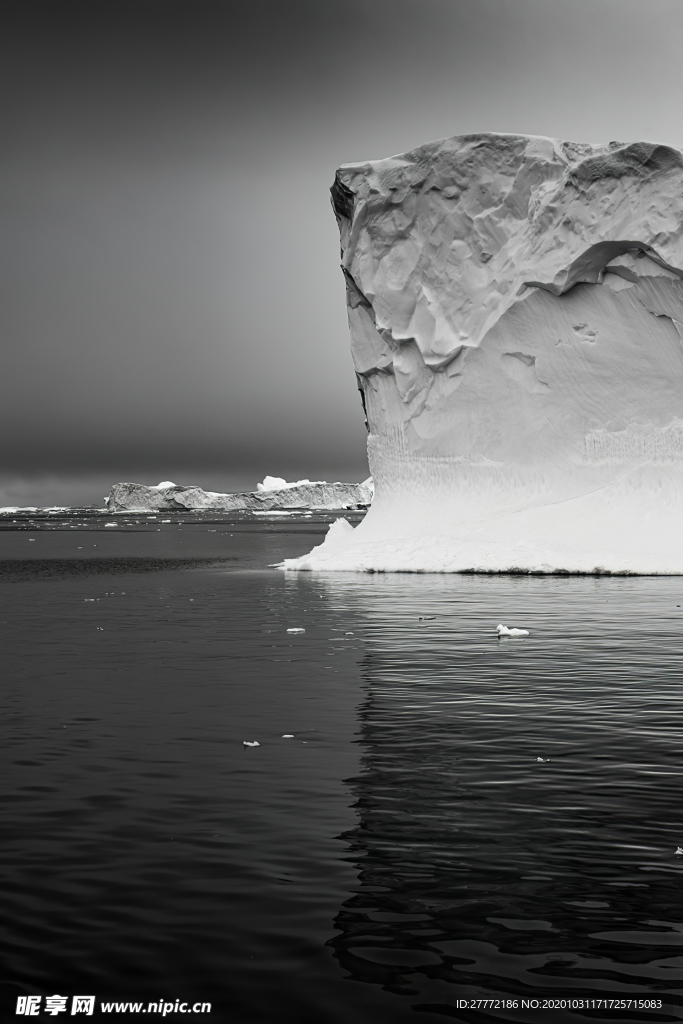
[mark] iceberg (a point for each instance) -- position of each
(167, 496)
(515, 306)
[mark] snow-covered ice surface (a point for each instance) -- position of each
(516, 427)
(278, 483)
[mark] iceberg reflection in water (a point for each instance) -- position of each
(432, 814)
(519, 800)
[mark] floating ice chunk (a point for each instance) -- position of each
(296, 629)
(111, 524)
(679, 851)
(504, 631)
(544, 760)
(288, 736)
(250, 743)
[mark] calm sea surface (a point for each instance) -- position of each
(455, 818)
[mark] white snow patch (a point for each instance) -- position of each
(278, 483)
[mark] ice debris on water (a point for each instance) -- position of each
(250, 743)
(543, 759)
(679, 851)
(296, 629)
(504, 631)
(288, 736)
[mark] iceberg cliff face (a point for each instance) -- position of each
(516, 311)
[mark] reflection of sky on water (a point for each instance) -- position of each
(484, 870)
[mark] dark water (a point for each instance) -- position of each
(456, 818)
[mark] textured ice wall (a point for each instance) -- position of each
(516, 426)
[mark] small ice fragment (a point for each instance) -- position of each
(250, 743)
(288, 736)
(504, 631)
(111, 524)
(296, 629)
(679, 851)
(543, 759)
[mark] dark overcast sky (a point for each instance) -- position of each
(171, 300)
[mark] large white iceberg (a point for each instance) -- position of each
(516, 313)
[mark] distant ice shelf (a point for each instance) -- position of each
(516, 314)
(273, 493)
